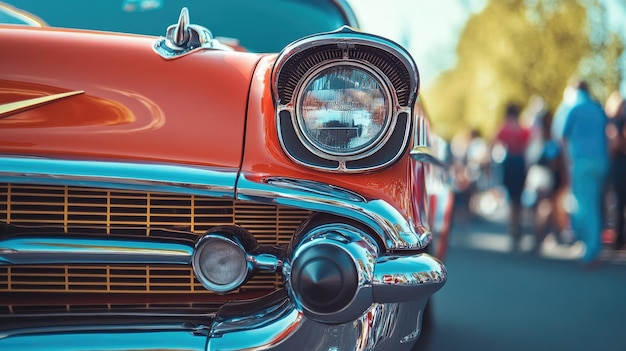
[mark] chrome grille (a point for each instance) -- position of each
(105, 211)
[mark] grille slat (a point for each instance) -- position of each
(104, 211)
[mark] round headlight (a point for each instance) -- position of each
(220, 264)
(343, 110)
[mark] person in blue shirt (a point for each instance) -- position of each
(580, 125)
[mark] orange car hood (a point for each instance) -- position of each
(91, 95)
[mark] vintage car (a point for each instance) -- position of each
(162, 188)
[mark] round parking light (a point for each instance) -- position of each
(220, 263)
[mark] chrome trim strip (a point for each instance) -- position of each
(347, 12)
(396, 231)
(14, 15)
(323, 189)
(23, 249)
(420, 127)
(120, 175)
(105, 337)
(421, 152)
(424, 154)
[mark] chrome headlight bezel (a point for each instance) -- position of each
(381, 61)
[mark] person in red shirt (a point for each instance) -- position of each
(514, 138)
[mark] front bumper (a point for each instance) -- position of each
(394, 296)
(274, 324)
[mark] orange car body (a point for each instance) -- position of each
(122, 115)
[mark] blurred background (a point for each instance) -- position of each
(475, 56)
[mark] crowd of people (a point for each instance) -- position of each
(567, 168)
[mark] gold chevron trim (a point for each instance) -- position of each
(14, 107)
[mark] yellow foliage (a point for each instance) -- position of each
(516, 49)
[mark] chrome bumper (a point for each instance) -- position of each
(274, 324)
(393, 295)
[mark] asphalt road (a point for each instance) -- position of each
(497, 300)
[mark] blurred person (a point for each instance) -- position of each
(470, 154)
(614, 105)
(545, 181)
(616, 132)
(478, 160)
(514, 137)
(462, 184)
(533, 114)
(580, 126)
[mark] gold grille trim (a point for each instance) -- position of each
(106, 211)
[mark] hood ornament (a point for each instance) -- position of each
(183, 38)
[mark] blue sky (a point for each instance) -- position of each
(430, 28)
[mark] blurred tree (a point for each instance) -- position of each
(516, 49)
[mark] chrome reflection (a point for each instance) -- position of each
(378, 324)
(279, 326)
(336, 273)
(316, 187)
(262, 330)
(24, 249)
(394, 229)
(174, 248)
(425, 155)
(92, 335)
(343, 257)
(184, 38)
(226, 257)
(120, 175)
(12, 15)
(271, 323)
(406, 278)
(389, 326)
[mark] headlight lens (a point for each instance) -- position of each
(343, 110)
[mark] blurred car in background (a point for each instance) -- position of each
(268, 184)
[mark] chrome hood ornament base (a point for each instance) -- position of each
(183, 38)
